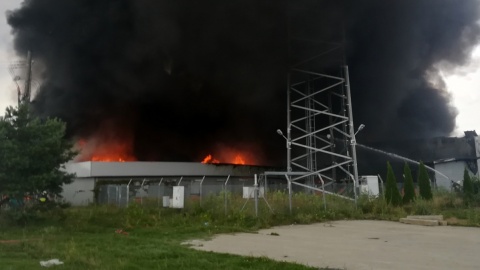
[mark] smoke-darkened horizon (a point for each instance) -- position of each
(179, 79)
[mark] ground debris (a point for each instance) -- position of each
(51, 262)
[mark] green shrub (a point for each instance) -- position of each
(408, 187)
(445, 199)
(392, 195)
(425, 189)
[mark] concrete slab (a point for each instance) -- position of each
(423, 222)
(429, 217)
(443, 223)
(358, 245)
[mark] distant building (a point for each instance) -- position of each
(448, 155)
(454, 167)
(454, 170)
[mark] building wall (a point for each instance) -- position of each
(453, 169)
(79, 192)
(80, 169)
(114, 177)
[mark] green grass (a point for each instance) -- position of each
(141, 249)
(85, 238)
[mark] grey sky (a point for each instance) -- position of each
(7, 88)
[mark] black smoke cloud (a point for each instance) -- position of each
(181, 77)
(397, 47)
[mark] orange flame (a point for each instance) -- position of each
(210, 159)
(111, 151)
(112, 158)
(239, 160)
(229, 157)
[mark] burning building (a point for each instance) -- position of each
(156, 80)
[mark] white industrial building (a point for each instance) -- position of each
(119, 182)
(454, 170)
(454, 167)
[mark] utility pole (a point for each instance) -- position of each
(353, 140)
(26, 97)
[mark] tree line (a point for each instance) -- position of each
(470, 189)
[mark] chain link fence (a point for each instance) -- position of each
(180, 192)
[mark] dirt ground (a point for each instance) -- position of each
(358, 245)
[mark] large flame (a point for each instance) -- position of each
(210, 159)
(230, 156)
(104, 151)
(239, 160)
(112, 157)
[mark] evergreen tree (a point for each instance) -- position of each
(476, 185)
(32, 153)
(424, 186)
(392, 195)
(468, 189)
(408, 187)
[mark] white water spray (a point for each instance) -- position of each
(401, 158)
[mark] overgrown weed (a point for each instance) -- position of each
(239, 214)
(231, 212)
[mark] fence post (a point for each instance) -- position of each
(289, 192)
(201, 190)
(141, 187)
(265, 185)
(158, 192)
(381, 185)
(255, 188)
(120, 195)
(323, 193)
(117, 197)
(128, 191)
(108, 195)
(225, 194)
(354, 189)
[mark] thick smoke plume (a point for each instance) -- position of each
(179, 78)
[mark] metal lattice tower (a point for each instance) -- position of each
(320, 131)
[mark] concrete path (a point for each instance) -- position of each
(358, 245)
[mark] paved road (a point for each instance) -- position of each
(358, 245)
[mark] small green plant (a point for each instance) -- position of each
(425, 189)
(392, 195)
(408, 187)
